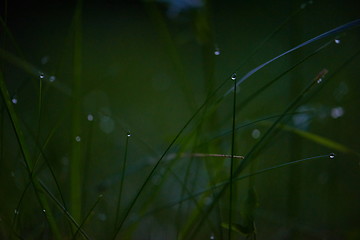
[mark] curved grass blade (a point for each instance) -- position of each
(17, 209)
(25, 152)
(169, 43)
(87, 216)
(63, 209)
(331, 32)
(239, 178)
(267, 85)
(128, 210)
(122, 179)
(190, 120)
(32, 70)
(318, 139)
(255, 148)
(326, 34)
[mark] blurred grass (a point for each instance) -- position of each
(134, 68)
(77, 156)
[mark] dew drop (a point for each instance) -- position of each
(128, 134)
(337, 41)
(16, 212)
(256, 133)
(90, 117)
(52, 78)
(217, 52)
(212, 237)
(332, 155)
(14, 100)
(233, 77)
(337, 112)
(41, 75)
(78, 138)
(319, 80)
(44, 210)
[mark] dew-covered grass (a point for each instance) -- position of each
(179, 120)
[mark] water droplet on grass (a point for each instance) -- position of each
(78, 138)
(217, 52)
(128, 134)
(256, 133)
(90, 117)
(337, 41)
(41, 75)
(337, 112)
(14, 100)
(319, 80)
(332, 155)
(44, 210)
(233, 77)
(212, 237)
(52, 78)
(16, 212)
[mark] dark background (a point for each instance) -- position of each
(146, 67)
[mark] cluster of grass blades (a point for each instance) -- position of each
(200, 186)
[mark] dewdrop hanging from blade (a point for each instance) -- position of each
(321, 75)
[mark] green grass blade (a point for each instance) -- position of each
(63, 209)
(255, 148)
(76, 163)
(87, 216)
(319, 139)
(239, 178)
(232, 156)
(128, 210)
(26, 153)
(16, 124)
(128, 135)
(331, 32)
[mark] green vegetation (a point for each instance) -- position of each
(156, 120)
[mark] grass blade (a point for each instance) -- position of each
(254, 149)
(69, 216)
(76, 163)
(122, 179)
(331, 32)
(232, 156)
(239, 178)
(87, 217)
(318, 139)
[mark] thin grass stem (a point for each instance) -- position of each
(122, 179)
(232, 158)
